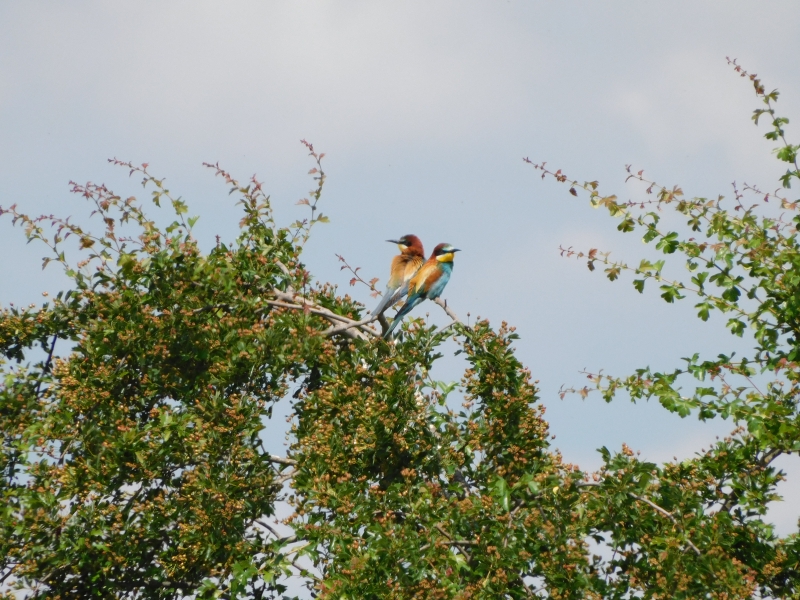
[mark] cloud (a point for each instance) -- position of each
(691, 104)
(356, 72)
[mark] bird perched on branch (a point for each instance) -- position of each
(404, 265)
(428, 282)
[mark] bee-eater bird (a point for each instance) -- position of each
(404, 265)
(428, 282)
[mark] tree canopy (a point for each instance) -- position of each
(134, 406)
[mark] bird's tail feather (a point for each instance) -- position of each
(383, 304)
(388, 335)
(390, 297)
(410, 303)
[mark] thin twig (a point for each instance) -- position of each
(303, 571)
(11, 569)
(667, 514)
(654, 506)
(265, 525)
(528, 590)
(447, 309)
(459, 543)
(298, 548)
(290, 539)
(357, 278)
(518, 505)
(46, 367)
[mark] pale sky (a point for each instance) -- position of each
(424, 111)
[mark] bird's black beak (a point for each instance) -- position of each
(394, 241)
(455, 250)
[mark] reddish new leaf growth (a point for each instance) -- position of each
(374, 292)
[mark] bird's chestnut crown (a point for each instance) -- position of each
(408, 241)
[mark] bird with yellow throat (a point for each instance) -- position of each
(428, 283)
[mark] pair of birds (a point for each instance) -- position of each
(411, 274)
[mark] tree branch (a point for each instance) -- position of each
(282, 461)
(447, 309)
(344, 327)
(290, 539)
(652, 505)
(47, 363)
(285, 477)
(11, 569)
(285, 300)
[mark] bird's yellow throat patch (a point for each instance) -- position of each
(446, 257)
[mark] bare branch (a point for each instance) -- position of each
(327, 314)
(447, 309)
(292, 302)
(312, 308)
(342, 328)
(285, 477)
(282, 461)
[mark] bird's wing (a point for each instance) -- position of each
(397, 280)
(419, 282)
(417, 289)
(397, 272)
(390, 296)
(397, 295)
(412, 266)
(436, 282)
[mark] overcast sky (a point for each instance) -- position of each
(425, 111)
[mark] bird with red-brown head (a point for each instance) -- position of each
(404, 266)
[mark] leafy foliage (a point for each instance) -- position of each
(743, 262)
(134, 409)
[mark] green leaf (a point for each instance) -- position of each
(670, 293)
(704, 310)
(736, 326)
(788, 153)
(668, 244)
(627, 225)
(651, 234)
(502, 493)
